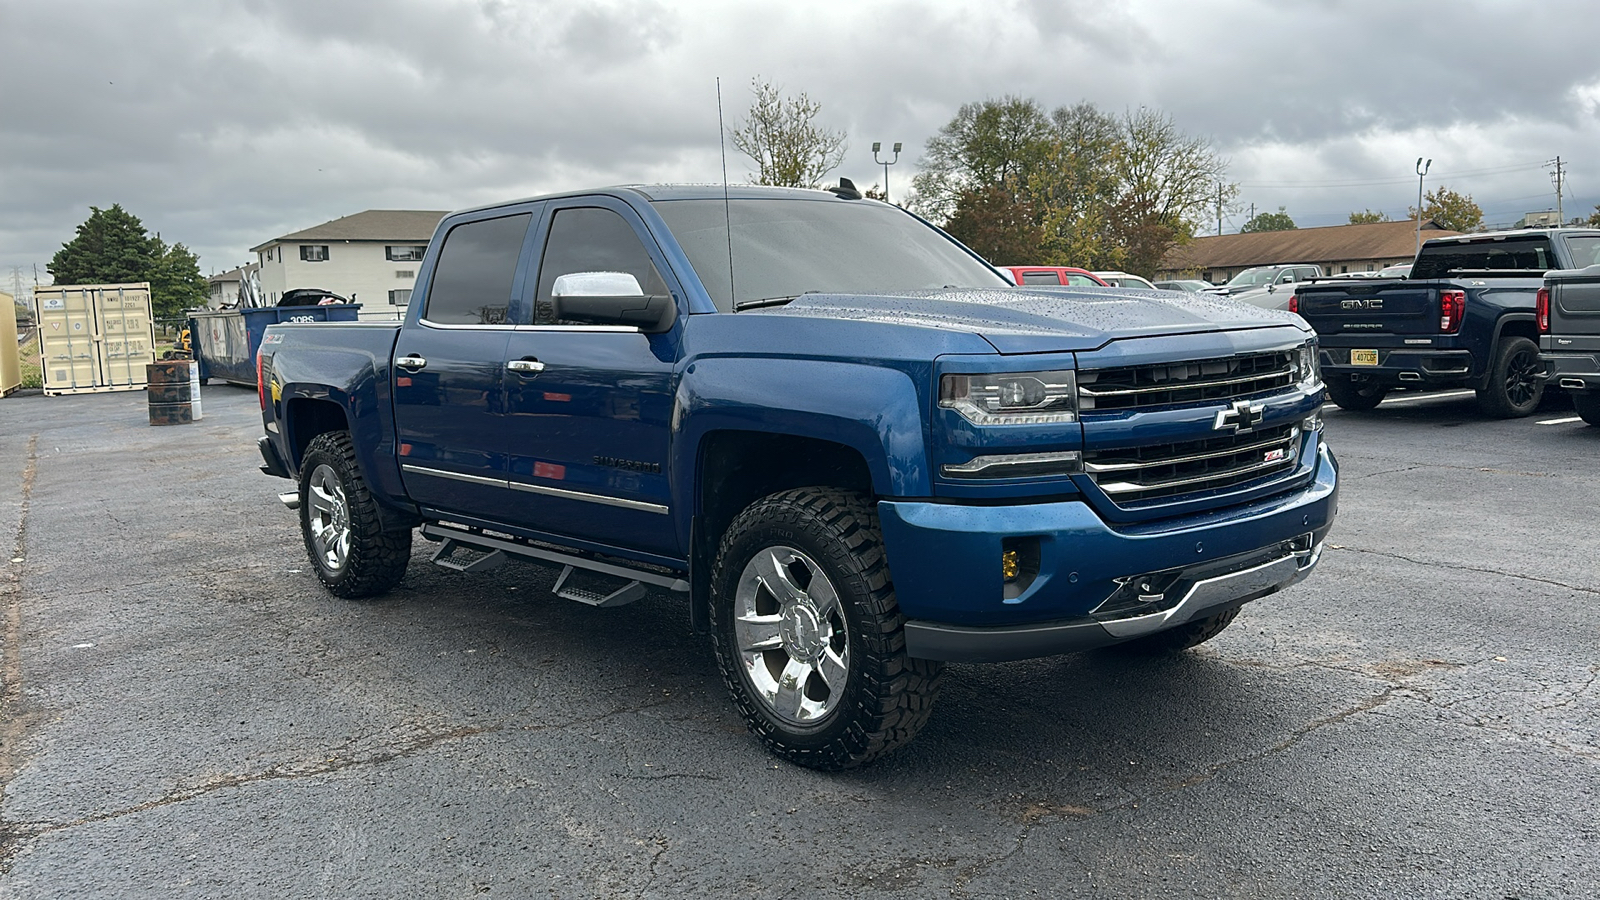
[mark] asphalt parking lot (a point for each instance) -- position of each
(187, 714)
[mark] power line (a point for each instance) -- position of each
(1495, 170)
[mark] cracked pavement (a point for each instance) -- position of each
(187, 714)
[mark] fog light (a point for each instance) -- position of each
(1010, 565)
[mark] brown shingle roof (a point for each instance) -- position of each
(372, 225)
(1381, 240)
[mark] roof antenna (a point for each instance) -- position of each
(727, 216)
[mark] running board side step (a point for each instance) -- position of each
(496, 550)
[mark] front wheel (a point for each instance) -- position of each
(1356, 396)
(1516, 380)
(351, 552)
(808, 634)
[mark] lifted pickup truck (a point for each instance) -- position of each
(1464, 317)
(855, 445)
(1569, 329)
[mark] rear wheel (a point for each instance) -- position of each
(1356, 396)
(1588, 406)
(809, 637)
(1515, 383)
(351, 552)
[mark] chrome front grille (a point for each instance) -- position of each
(1196, 381)
(1130, 475)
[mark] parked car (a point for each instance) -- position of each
(1124, 279)
(855, 447)
(1268, 287)
(1190, 285)
(1466, 316)
(1400, 270)
(1068, 275)
(1569, 328)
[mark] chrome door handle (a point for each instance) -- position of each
(411, 363)
(525, 366)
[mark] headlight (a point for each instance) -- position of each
(1019, 398)
(1308, 366)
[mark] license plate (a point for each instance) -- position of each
(1363, 357)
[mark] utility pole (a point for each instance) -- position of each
(1219, 209)
(1557, 178)
(1422, 169)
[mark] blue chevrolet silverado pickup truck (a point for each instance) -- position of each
(857, 447)
(1465, 316)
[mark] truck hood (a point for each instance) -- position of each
(1047, 320)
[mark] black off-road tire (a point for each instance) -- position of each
(1515, 386)
(1587, 404)
(1181, 638)
(1356, 397)
(887, 695)
(376, 559)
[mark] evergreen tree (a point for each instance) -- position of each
(113, 247)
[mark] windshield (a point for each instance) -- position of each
(1252, 277)
(788, 247)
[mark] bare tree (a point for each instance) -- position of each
(1169, 180)
(789, 148)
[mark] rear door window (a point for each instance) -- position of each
(477, 266)
(1584, 250)
(1040, 278)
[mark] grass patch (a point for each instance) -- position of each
(32, 371)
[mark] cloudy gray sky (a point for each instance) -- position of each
(226, 123)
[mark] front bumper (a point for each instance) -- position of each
(1094, 583)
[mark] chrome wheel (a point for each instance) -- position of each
(328, 517)
(790, 633)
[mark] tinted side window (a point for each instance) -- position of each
(1584, 249)
(1040, 278)
(590, 239)
(472, 280)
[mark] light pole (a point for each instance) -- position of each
(876, 146)
(1422, 169)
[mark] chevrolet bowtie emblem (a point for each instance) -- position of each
(1241, 417)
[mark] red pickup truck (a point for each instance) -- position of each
(1068, 275)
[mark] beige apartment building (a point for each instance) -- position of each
(370, 257)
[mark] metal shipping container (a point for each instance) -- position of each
(10, 353)
(95, 337)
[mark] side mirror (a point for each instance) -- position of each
(611, 298)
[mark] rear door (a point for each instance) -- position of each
(588, 408)
(448, 363)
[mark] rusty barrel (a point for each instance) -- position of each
(174, 388)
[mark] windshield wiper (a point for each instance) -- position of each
(743, 305)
